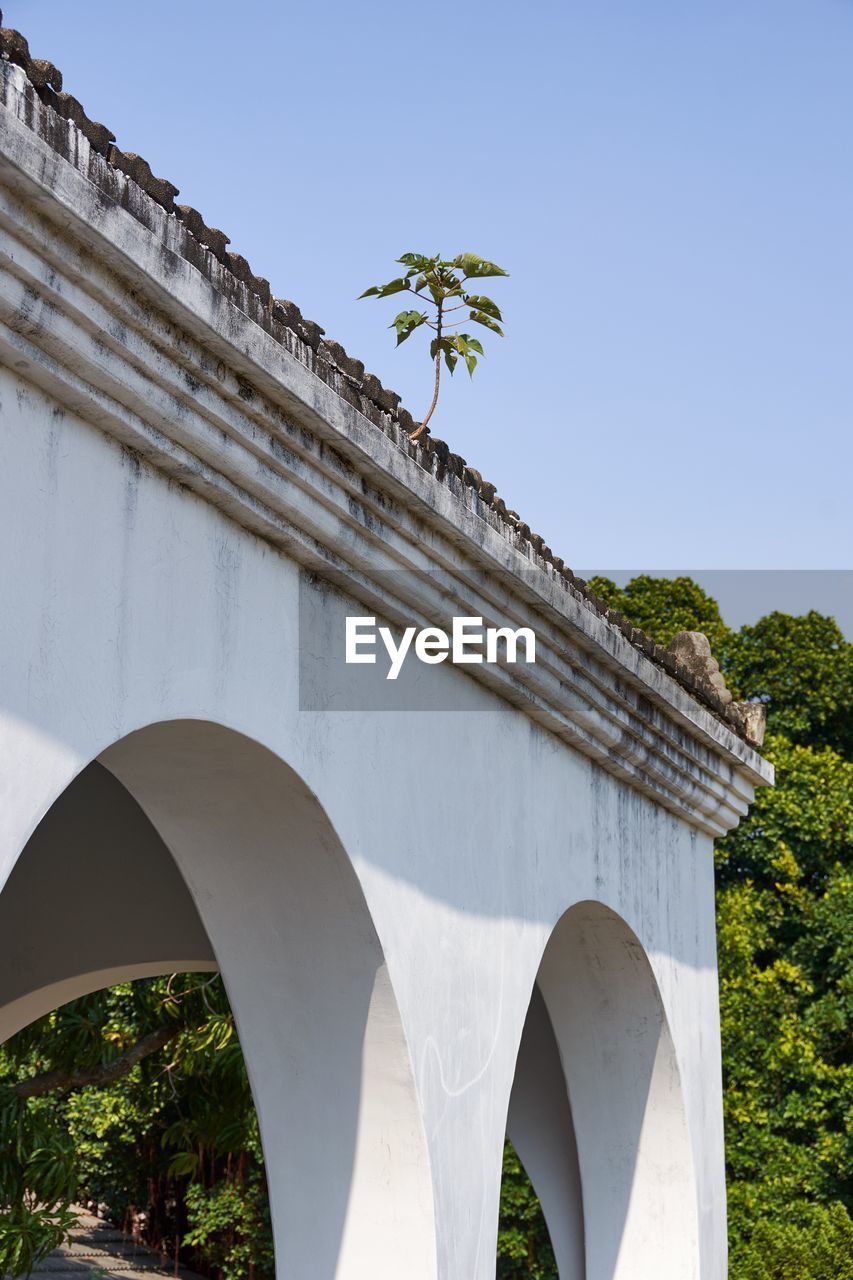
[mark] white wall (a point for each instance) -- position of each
(469, 836)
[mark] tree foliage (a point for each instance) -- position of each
(785, 930)
(38, 1179)
(169, 1142)
(524, 1246)
(819, 1248)
(441, 284)
(665, 606)
(803, 669)
(785, 936)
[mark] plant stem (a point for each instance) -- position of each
(420, 430)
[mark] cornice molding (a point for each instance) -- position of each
(98, 308)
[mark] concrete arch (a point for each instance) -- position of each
(218, 855)
(540, 1127)
(624, 1207)
(94, 899)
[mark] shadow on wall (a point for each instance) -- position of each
(597, 1114)
(94, 899)
(191, 847)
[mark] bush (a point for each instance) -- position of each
(820, 1249)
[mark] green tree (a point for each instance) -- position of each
(819, 1249)
(442, 285)
(664, 606)
(138, 1097)
(38, 1182)
(803, 669)
(785, 933)
(524, 1246)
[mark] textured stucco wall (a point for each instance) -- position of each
(454, 843)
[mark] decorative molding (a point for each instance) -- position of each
(99, 309)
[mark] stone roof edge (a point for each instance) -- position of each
(347, 375)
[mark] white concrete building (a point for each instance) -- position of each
(486, 905)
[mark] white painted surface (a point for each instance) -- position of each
(470, 835)
(629, 1110)
(539, 1124)
(379, 888)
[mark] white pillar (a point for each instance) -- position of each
(636, 1166)
(343, 1141)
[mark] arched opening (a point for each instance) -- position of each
(132, 1103)
(540, 1128)
(94, 899)
(187, 846)
(597, 1113)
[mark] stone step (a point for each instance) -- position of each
(99, 1249)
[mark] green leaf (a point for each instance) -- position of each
(450, 359)
(478, 302)
(465, 344)
(406, 323)
(475, 267)
(486, 321)
(471, 361)
(385, 290)
(418, 261)
(394, 286)
(183, 1163)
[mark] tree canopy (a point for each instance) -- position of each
(785, 938)
(135, 1097)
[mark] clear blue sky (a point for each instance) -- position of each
(670, 185)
